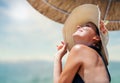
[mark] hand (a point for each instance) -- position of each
(62, 50)
(102, 27)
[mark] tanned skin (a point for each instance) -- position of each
(81, 59)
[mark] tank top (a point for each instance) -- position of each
(78, 79)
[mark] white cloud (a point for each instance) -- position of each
(28, 36)
(19, 11)
(29, 20)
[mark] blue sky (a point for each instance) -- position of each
(25, 34)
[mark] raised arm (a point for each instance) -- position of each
(62, 49)
(72, 65)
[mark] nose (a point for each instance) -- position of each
(78, 26)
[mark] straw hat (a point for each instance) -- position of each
(81, 15)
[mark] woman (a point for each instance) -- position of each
(85, 37)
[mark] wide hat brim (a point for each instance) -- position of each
(79, 16)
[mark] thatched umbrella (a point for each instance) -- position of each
(58, 10)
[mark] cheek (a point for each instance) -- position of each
(77, 36)
(84, 34)
(89, 35)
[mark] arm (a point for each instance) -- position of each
(72, 65)
(62, 49)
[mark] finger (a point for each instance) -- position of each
(65, 46)
(62, 42)
(59, 47)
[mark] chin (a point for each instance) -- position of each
(76, 37)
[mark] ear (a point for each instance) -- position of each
(96, 38)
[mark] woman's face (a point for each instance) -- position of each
(85, 34)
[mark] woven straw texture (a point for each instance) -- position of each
(59, 10)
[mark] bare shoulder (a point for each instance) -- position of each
(78, 48)
(84, 53)
(75, 53)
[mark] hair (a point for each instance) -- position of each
(99, 43)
